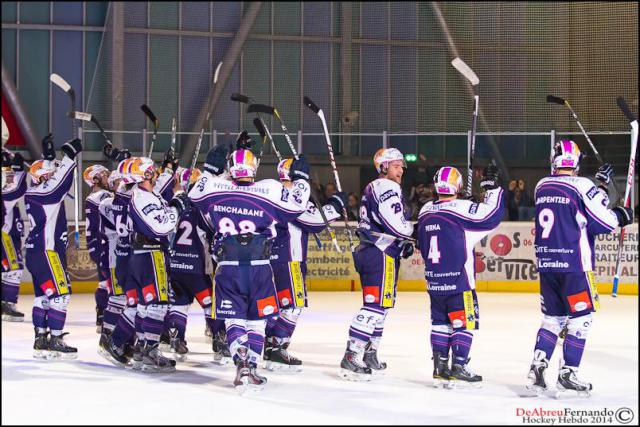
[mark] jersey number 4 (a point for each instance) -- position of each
(434, 254)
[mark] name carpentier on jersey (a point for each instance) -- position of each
(553, 199)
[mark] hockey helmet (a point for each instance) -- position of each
(41, 168)
(92, 172)
(242, 164)
(566, 154)
(384, 156)
(183, 175)
(283, 169)
(114, 178)
(139, 168)
(448, 180)
(124, 169)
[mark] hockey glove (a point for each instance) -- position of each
(181, 202)
(300, 169)
(338, 201)
(244, 141)
(490, 178)
(48, 152)
(6, 159)
(216, 160)
(17, 164)
(72, 147)
(170, 161)
(121, 155)
(407, 249)
(625, 215)
(604, 174)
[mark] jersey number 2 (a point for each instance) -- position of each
(184, 238)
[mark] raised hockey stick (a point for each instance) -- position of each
(561, 101)
(147, 112)
(468, 74)
(195, 155)
(633, 121)
(57, 80)
(318, 111)
(265, 134)
(238, 97)
(173, 136)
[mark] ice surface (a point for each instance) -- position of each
(90, 390)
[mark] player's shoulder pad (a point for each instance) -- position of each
(426, 208)
(385, 189)
(98, 196)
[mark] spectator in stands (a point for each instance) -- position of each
(520, 205)
(329, 190)
(420, 194)
(353, 207)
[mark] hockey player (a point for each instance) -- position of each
(96, 176)
(288, 261)
(47, 246)
(377, 260)
(243, 213)
(570, 213)
(448, 229)
(191, 272)
(14, 186)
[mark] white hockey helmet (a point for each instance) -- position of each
(140, 167)
(41, 168)
(124, 170)
(384, 156)
(284, 166)
(92, 172)
(566, 154)
(114, 178)
(183, 176)
(447, 180)
(242, 164)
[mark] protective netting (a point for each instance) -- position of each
(372, 66)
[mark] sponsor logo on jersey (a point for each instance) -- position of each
(387, 195)
(150, 208)
(267, 306)
(592, 193)
(473, 208)
(225, 303)
(552, 264)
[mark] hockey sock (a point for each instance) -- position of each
(377, 332)
(271, 323)
(364, 323)
(461, 345)
(124, 329)
(39, 313)
(113, 311)
(177, 318)
(153, 324)
(139, 321)
(216, 325)
(255, 334)
(11, 285)
(573, 346)
(236, 336)
(440, 339)
(102, 298)
(546, 342)
(286, 323)
(57, 314)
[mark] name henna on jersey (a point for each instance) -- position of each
(432, 227)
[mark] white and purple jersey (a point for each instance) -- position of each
(108, 228)
(255, 208)
(46, 212)
(383, 210)
(11, 195)
(292, 238)
(121, 220)
(96, 240)
(152, 217)
(189, 249)
(570, 212)
(447, 234)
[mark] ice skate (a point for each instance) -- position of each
(266, 350)
(247, 379)
(153, 360)
(221, 353)
(461, 376)
(60, 350)
(537, 383)
(208, 334)
(371, 360)
(99, 320)
(280, 359)
(10, 314)
(113, 354)
(352, 366)
(41, 345)
(137, 356)
(165, 342)
(178, 346)
(569, 385)
(441, 372)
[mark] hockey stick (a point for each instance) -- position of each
(195, 155)
(57, 80)
(561, 101)
(468, 74)
(147, 112)
(238, 97)
(264, 132)
(318, 111)
(633, 121)
(173, 136)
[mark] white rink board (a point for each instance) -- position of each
(90, 390)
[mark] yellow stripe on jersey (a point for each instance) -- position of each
(160, 270)
(10, 250)
(469, 309)
(388, 288)
(298, 283)
(59, 276)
